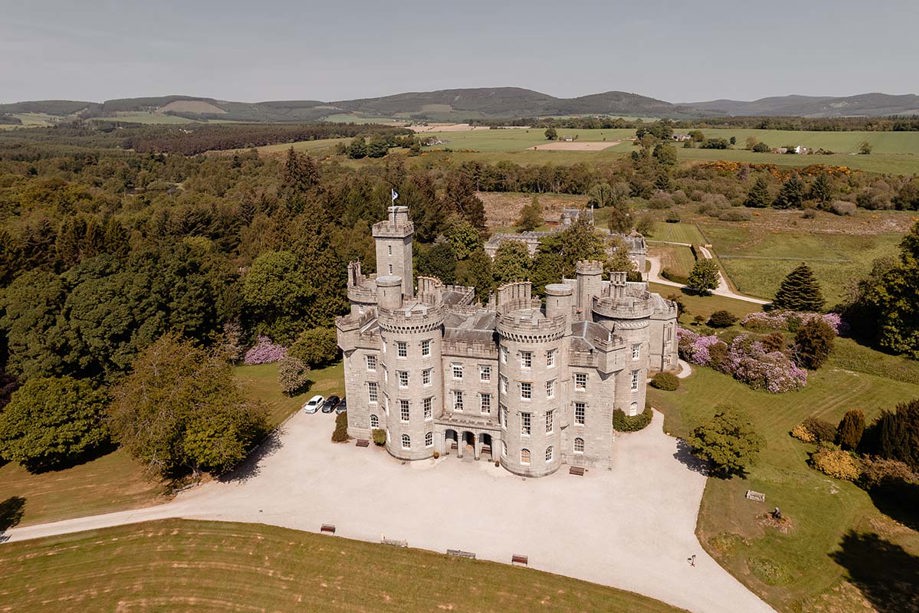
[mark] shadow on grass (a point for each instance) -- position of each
(685, 456)
(898, 501)
(11, 511)
(251, 468)
(886, 574)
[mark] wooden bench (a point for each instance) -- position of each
(576, 470)
(461, 554)
(327, 529)
(362, 442)
(757, 496)
(519, 559)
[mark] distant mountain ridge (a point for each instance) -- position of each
(475, 103)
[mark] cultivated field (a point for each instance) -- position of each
(244, 567)
(804, 567)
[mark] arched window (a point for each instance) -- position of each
(374, 421)
(429, 439)
(548, 454)
(524, 456)
(406, 441)
(579, 445)
(633, 408)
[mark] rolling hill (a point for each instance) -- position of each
(463, 104)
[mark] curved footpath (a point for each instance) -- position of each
(723, 288)
(631, 527)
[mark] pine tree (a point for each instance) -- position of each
(791, 196)
(821, 190)
(799, 291)
(850, 430)
(759, 197)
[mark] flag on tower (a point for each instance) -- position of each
(394, 194)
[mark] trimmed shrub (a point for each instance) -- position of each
(813, 343)
(850, 430)
(672, 276)
(379, 437)
(722, 319)
(836, 463)
(672, 217)
(665, 381)
(802, 433)
(340, 435)
(822, 430)
(631, 423)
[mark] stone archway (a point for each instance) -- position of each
(467, 442)
(451, 440)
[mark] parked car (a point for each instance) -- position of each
(330, 403)
(342, 406)
(312, 405)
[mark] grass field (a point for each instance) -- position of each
(177, 565)
(115, 481)
(757, 259)
(705, 305)
(677, 233)
(796, 570)
(674, 258)
(313, 147)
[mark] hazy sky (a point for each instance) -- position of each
(678, 50)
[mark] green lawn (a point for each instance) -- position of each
(674, 258)
(757, 259)
(794, 571)
(176, 565)
(705, 305)
(261, 383)
(677, 233)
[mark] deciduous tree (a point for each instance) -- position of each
(727, 442)
(703, 277)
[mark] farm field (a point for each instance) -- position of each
(320, 147)
(830, 521)
(677, 233)
(116, 482)
(230, 566)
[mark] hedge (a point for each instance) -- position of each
(633, 423)
(665, 381)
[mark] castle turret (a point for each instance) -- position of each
(393, 239)
(590, 284)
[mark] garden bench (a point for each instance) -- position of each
(576, 470)
(520, 559)
(461, 554)
(327, 528)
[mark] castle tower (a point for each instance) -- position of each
(627, 313)
(393, 239)
(412, 380)
(590, 284)
(531, 367)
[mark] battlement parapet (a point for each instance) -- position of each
(626, 307)
(531, 327)
(417, 318)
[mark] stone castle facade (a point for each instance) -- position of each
(530, 385)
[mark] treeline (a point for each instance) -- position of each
(186, 139)
(817, 124)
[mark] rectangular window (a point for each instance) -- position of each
(428, 408)
(504, 417)
(550, 358)
(504, 355)
(371, 362)
(580, 381)
(372, 392)
(402, 349)
(503, 384)
(550, 420)
(426, 376)
(635, 374)
(526, 391)
(403, 410)
(403, 378)
(425, 348)
(525, 424)
(526, 359)
(457, 400)
(636, 351)
(550, 389)
(580, 412)
(485, 373)
(486, 403)
(457, 371)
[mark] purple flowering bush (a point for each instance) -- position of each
(264, 352)
(746, 359)
(791, 320)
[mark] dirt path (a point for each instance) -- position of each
(723, 288)
(631, 527)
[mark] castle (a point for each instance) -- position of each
(530, 386)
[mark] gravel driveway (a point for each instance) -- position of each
(631, 527)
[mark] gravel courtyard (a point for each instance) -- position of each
(631, 527)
